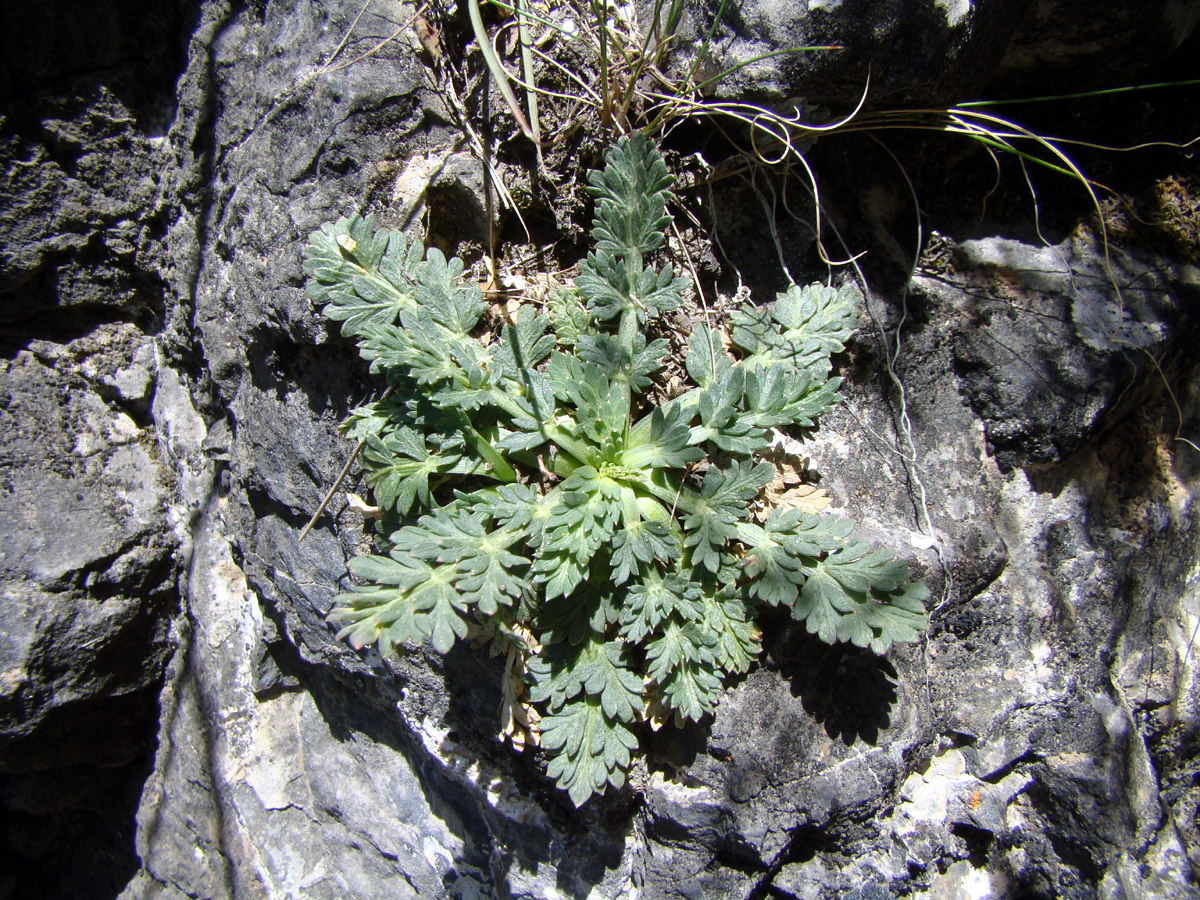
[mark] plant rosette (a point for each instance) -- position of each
(534, 491)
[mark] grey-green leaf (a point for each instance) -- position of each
(588, 751)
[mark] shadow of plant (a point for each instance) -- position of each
(850, 691)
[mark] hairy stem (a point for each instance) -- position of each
(575, 447)
(500, 467)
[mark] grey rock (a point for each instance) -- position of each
(1078, 52)
(176, 713)
(1056, 340)
(87, 583)
(947, 44)
(89, 556)
(919, 52)
(133, 382)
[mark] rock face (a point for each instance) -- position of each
(90, 549)
(922, 52)
(176, 718)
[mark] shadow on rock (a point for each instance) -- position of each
(850, 691)
(576, 848)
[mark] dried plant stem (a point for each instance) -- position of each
(337, 483)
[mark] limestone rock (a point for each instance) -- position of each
(918, 52)
(178, 720)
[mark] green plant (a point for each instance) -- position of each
(539, 492)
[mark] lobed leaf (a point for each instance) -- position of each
(593, 667)
(738, 644)
(581, 616)
(631, 193)
(679, 643)
(523, 345)
(639, 543)
(611, 287)
(398, 466)
(868, 587)
(361, 276)
(707, 360)
(779, 554)
(721, 503)
(569, 315)
(722, 421)
(692, 689)
(655, 600)
(776, 395)
(661, 440)
(487, 574)
(510, 505)
(601, 406)
(605, 352)
(879, 621)
(588, 751)
(410, 601)
(450, 303)
(802, 328)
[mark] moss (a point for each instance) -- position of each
(1178, 218)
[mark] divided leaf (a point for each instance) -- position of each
(612, 287)
(861, 595)
(589, 751)
(721, 503)
(661, 441)
(631, 194)
(487, 573)
(692, 689)
(411, 600)
(802, 328)
(594, 667)
(654, 601)
(779, 551)
(359, 275)
(569, 315)
(737, 637)
(707, 360)
(398, 468)
(523, 345)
